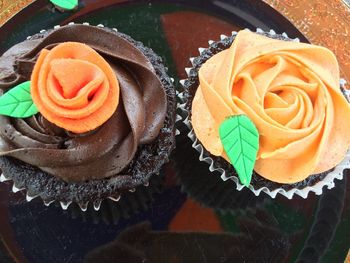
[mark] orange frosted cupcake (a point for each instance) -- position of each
(268, 112)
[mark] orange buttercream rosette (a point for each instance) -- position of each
(290, 91)
(74, 87)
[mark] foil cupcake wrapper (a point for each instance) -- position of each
(96, 203)
(327, 181)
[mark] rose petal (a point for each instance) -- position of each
(74, 87)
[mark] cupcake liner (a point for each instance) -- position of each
(83, 206)
(85, 194)
(303, 189)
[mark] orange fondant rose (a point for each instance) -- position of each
(291, 93)
(74, 87)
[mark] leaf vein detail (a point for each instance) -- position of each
(233, 145)
(251, 132)
(30, 106)
(251, 145)
(16, 103)
(230, 132)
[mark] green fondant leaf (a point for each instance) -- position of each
(65, 4)
(17, 102)
(240, 139)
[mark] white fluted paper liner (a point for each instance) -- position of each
(64, 205)
(327, 181)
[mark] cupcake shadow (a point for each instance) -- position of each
(130, 204)
(207, 187)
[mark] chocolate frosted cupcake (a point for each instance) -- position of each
(267, 112)
(86, 114)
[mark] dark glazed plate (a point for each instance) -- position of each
(179, 222)
(132, 16)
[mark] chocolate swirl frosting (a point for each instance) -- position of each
(101, 153)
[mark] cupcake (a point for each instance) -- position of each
(268, 112)
(87, 113)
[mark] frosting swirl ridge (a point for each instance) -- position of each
(100, 153)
